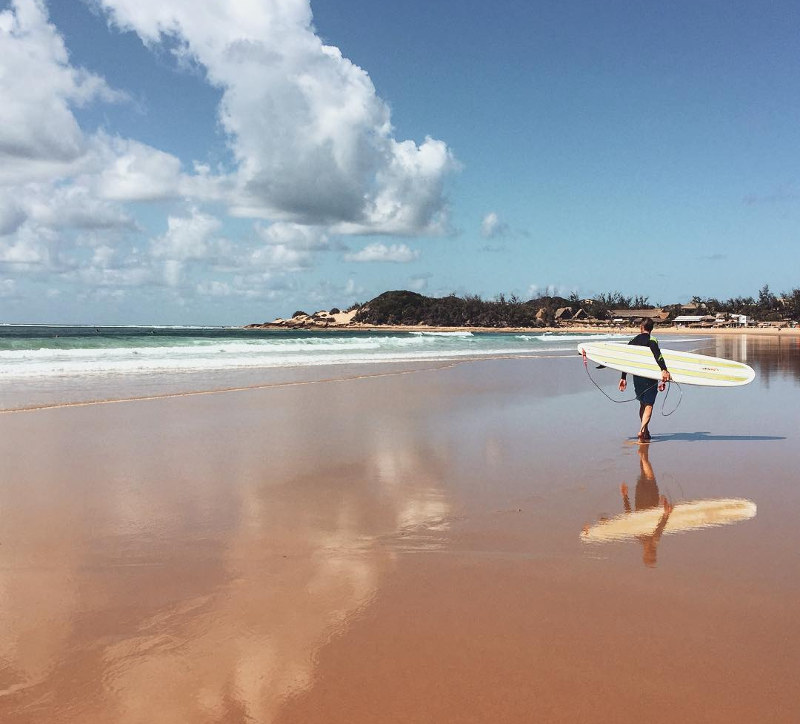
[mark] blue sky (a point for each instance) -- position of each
(222, 163)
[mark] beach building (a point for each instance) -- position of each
(632, 316)
(695, 320)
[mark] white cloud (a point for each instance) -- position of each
(172, 270)
(492, 226)
(71, 206)
(187, 237)
(214, 288)
(8, 288)
(419, 282)
(314, 149)
(399, 253)
(39, 135)
(136, 172)
(280, 256)
(296, 236)
(551, 290)
(113, 277)
(351, 288)
(313, 141)
(11, 214)
(103, 257)
(28, 247)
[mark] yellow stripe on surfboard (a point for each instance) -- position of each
(686, 367)
(671, 354)
(645, 367)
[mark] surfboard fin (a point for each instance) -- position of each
(600, 367)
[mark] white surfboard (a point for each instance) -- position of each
(692, 515)
(685, 367)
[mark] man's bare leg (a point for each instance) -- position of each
(645, 413)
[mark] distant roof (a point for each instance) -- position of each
(692, 317)
(658, 314)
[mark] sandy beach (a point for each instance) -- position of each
(406, 547)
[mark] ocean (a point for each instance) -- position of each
(43, 366)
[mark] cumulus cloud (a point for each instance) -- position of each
(71, 206)
(314, 155)
(295, 236)
(39, 135)
(136, 172)
(187, 237)
(312, 140)
(280, 257)
(54, 178)
(27, 248)
(419, 282)
(492, 226)
(8, 288)
(398, 253)
(11, 214)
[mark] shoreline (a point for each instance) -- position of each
(569, 329)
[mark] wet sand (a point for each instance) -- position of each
(403, 548)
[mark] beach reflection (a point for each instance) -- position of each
(141, 601)
(653, 515)
(772, 357)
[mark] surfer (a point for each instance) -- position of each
(646, 390)
(647, 497)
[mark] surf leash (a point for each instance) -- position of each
(661, 386)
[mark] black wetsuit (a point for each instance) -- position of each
(647, 389)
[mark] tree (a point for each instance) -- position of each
(766, 299)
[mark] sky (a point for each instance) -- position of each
(176, 162)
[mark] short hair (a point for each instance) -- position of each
(647, 323)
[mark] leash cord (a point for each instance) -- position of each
(633, 399)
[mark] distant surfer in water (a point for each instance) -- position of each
(646, 390)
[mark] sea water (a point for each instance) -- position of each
(47, 365)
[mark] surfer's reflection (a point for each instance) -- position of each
(647, 497)
(652, 515)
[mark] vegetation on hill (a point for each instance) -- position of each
(409, 308)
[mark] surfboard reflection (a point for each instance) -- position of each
(653, 515)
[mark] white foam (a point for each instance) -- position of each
(106, 357)
(444, 334)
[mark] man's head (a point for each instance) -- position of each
(647, 325)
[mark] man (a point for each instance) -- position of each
(646, 390)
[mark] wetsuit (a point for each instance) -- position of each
(647, 389)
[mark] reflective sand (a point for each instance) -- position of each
(403, 548)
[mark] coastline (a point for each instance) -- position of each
(566, 329)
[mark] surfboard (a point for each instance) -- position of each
(692, 515)
(685, 367)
